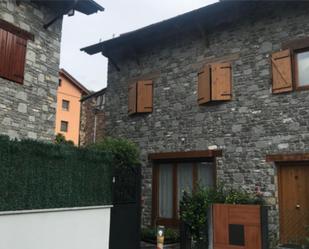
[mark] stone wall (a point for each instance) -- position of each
(92, 126)
(28, 110)
(254, 124)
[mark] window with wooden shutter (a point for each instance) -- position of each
(203, 91)
(221, 81)
(140, 97)
(132, 98)
(282, 71)
(144, 96)
(215, 83)
(13, 45)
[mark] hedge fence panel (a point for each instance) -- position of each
(36, 175)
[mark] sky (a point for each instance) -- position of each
(120, 16)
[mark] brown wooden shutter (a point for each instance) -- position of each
(221, 81)
(4, 55)
(282, 71)
(132, 98)
(144, 95)
(12, 56)
(18, 56)
(203, 88)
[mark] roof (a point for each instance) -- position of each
(94, 94)
(211, 15)
(200, 21)
(75, 82)
(87, 7)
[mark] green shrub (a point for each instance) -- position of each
(60, 139)
(37, 175)
(125, 153)
(125, 161)
(150, 235)
(193, 208)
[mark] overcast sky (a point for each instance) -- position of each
(120, 16)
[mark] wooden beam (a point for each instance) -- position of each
(287, 157)
(185, 155)
(295, 44)
(15, 30)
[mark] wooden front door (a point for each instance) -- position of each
(294, 202)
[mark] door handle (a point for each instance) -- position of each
(297, 206)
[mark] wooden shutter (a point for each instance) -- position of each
(18, 58)
(203, 88)
(282, 71)
(132, 98)
(12, 56)
(4, 56)
(144, 96)
(221, 81)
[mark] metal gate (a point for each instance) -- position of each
(126, 212)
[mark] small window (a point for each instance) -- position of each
(100, 102)
(65, 105)
(140, 96)
(59, 82)
(302, 68)
(215, 83)
(64, 126)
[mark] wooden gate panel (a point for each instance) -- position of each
(220, 214)
(247, 218)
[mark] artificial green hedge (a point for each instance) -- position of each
(37, 175)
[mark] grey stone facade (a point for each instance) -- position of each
(28, 110)
(254, 124)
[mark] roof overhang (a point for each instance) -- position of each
(200, 22)
(64, 7)
(94, 94)
(87, 7)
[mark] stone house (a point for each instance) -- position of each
(92, 121)
(217, 95)
(30, 36)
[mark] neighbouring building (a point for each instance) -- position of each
(92, 124)
(218, 95)
(30, 35)
(69, 94)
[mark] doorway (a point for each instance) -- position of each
(293, 183)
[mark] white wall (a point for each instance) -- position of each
(77, 228)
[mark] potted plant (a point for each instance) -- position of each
(196, 208)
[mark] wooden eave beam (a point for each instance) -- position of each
(288, 157)
(185, 155)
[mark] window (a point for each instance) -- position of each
(13, 45)
(64, 126)
(59, 82)
(65, 105)
(170, 182)
(302, 68)
(140, 97)
(285, 75)
(215, 83)
(100, 102)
